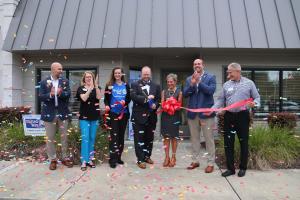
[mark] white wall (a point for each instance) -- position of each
(10, 76)
(1, 75)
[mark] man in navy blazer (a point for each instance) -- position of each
(54, 94)
(199, 88)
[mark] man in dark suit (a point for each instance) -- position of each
(145, 95)
(54, 94)
(199, 88)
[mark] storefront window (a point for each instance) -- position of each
(291, 91)
(267, 83)
(279, 89)
(74, 76)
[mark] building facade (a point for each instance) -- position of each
(262, 35)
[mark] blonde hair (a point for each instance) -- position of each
(83, 77)
(172, 76)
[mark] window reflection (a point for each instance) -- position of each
(279, 90)
(291, 91)
(267, 83)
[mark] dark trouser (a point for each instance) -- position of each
(236, 123)
(117, 133)
(143, 140)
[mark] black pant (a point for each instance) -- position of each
(236, 124)
(143, 140)
(117, 133)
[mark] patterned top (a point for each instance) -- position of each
(169, 93)
(118, 93)
(234, 91)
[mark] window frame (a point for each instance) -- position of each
(38, 74)
(280, 69)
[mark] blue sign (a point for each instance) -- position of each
(33, 125)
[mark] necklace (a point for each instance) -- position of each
(172, 92)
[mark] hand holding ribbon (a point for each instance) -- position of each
(107, 109)
(170, 106)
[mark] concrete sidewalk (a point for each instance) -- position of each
(26, 180)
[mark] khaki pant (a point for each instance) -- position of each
(206, 125)
(51, 128)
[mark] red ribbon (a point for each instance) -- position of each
(119, 117)
(171, 105)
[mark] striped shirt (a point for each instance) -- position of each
(234, 91)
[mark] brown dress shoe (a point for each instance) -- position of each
(67, 162)
(209, 169)
(149, 161)
(141, 165)
(193, 166)
(53, 164)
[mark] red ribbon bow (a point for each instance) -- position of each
(170, 106)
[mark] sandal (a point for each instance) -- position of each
(83, 167)
(172, 161)
(91, 164)
(166, 162)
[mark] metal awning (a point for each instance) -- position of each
(101, 24)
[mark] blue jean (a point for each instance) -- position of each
(88, 135)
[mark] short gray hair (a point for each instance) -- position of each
(235, 66)
(172, 76)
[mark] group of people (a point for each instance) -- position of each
(147, 97)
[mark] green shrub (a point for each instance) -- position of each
(269, 148)
(282, 120)
(12, 114)
(13, 143)
(220, 124)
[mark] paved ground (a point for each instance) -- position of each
(27, 180)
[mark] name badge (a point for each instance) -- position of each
(230, 89)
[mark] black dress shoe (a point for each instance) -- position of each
(112, 165)
(228, 173)
(242, 172)
(121, 162)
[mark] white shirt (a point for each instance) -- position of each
(55, 85)
(200, 80)
(147, 87)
